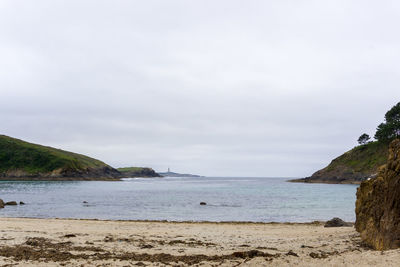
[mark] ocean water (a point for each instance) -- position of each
(177, 199)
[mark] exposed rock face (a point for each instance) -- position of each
(1, 204)
(378, 204)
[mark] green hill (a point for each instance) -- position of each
(353, 166)
(20, 159)
(137, 172)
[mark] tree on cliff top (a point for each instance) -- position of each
(390, 129)
(363, 139)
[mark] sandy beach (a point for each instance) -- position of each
(61, 242)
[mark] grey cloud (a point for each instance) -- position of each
(261, 88)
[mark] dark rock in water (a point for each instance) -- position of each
(203, 203)
(337, 222)
(11, 203)
(84, 202)
(378, 204)
(1, 204)
(22, 203)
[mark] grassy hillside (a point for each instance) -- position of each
(21, 158)
(362, 159)
(353, 166)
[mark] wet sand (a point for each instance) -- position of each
(60, 242)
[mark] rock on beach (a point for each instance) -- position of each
(337, 222)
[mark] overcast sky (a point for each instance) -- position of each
(236, 88)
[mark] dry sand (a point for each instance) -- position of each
(59, 242)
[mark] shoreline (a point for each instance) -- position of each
(71, 179)
(57, 179)
(174, 222)
(319, 181)
(73, 242)
(77, 179)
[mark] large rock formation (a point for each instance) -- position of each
(378, 204)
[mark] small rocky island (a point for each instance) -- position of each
(143, 172)
(175, 174)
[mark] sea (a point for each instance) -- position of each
(245, 199)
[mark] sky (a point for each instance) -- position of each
(217, 88)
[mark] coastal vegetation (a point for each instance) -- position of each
(363, 161)
(363, 139)
(20, 159)
(354, 166)
(366, 158)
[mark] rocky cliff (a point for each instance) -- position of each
(352, 167)
(20, 160)
(378, 204)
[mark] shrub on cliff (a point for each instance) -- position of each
(363, 139)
